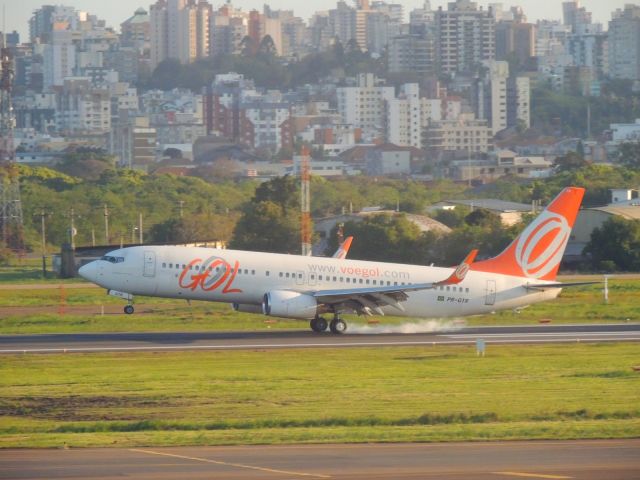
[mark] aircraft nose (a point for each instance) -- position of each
(89, 271)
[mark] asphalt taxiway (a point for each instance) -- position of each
(585, 460)
(376, 336)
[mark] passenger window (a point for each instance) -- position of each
(287, 275)
(280, 274)
(246, 272)
(467, 290)
(253, 272)
(335, 279)
(348, 280)
(319, 277)
(374, 282)
(448, 288)
(342, 279)
(268, 273)
(299, 275)
(367, 282)
(171, 265)
(361, 281)
(395, 284)
(164, 265)
(313, 277)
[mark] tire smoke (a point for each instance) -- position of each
(421, 326)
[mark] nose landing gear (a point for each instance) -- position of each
(129, 309)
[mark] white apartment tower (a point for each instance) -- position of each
(624, 43)
(364, 105)
(465, 36)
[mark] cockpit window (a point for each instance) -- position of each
(111, 259)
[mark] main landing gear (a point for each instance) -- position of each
(319, 325)
(337, 325)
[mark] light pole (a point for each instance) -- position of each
(106, 224)
(72, 229)
(43, 231)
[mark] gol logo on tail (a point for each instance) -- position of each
(211, 274)
(541, 244)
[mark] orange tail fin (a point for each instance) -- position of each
(538, 250)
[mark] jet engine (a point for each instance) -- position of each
(246, 308)
(288, 304)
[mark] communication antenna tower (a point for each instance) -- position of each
(305, 198)
(10, 205)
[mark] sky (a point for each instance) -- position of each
(115, 12)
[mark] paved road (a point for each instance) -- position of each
(585, 460)
(362, 337)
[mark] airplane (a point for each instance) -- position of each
(308, 288)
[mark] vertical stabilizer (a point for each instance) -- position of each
(537, 252)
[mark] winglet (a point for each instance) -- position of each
(341, 253)
(461, 271)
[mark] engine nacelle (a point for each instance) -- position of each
(246, 308)
(288, 304)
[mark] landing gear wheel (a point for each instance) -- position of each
(319, 324)
(338, 326)
(129, 309)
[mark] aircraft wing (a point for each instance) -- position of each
(342, 251)
(372, 299)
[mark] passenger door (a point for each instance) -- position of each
(149, 264)
(490, 297)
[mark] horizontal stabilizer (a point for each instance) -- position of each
(548, 286)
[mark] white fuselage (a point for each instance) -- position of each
(243, 277)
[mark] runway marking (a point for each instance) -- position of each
(541, 334)
(312, 345)
(228, 464)
(530, 475)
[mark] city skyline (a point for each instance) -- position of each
(117, 11)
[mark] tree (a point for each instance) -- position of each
(267, 47)
(265, 227)
(570, 161)
(453, 217)
(192, 228)
(248, 46)
(481, 217)
(383, 237)
(173, 153)
(270, 222)
(616, 242)
(628, 154)
(86, 162)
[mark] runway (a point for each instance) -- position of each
(364, 337)
(585, 460)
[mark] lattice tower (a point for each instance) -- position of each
(10, 204)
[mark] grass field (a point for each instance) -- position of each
(297, 396)
(81, 309)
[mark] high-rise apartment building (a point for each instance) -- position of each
(411, 53)
(465, 37)
(179, 30)
(364, 105)
(501, 99)
(515, 38)
(624, 43)
(574, 15)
